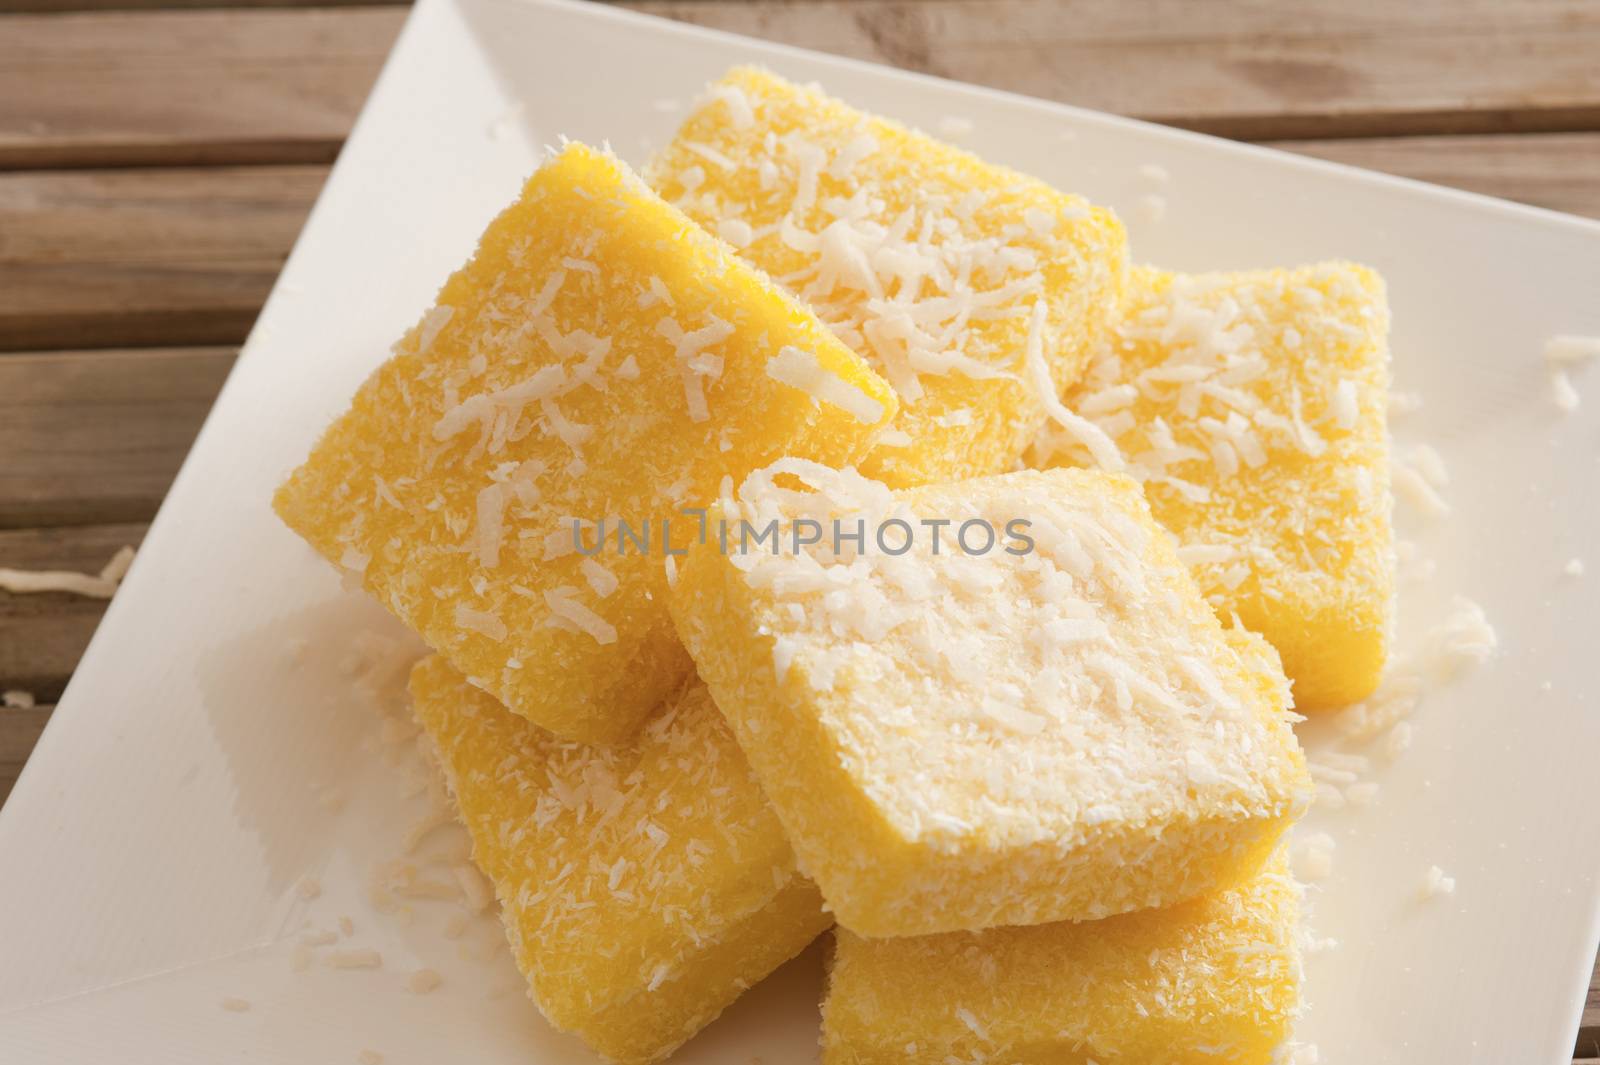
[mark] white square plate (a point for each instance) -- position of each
(151, 850)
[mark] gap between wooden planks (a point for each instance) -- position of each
(283, 85)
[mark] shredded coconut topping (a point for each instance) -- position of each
(1112, 662)
(490, 409)
(1216, 391)
(1435, 883)
(481, 622)
(619, 866)
(1571, 348)
(432, 323)
(355, 959)
(920, 278)
(800, 369)
(1561, 353)
(695, 361)
(565, 607)
(601, 580)
(1563, 393)
(1312, 856)
(1465, 637)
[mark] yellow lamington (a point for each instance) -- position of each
(1253, 406)
(644, 886)
(977, 291)
(600, 358)
(1039, 719)
(1214, 981)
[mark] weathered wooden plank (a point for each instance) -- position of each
(284, 85)
(1560, 171)
(111, 89)
(19, 731)
(162, 257)
(1291, 69)
(1589, 1026)
(144, 257)
(95, 437)
(43, 635)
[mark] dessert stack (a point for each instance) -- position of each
(829, 529)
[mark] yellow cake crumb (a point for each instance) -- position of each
(960, 738)
(1253, 408)
(1214, 981)
(977, 291)
(643, 886)
(599, 358)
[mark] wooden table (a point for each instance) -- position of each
(156, 163)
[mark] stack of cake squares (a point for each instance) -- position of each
(831, 530)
